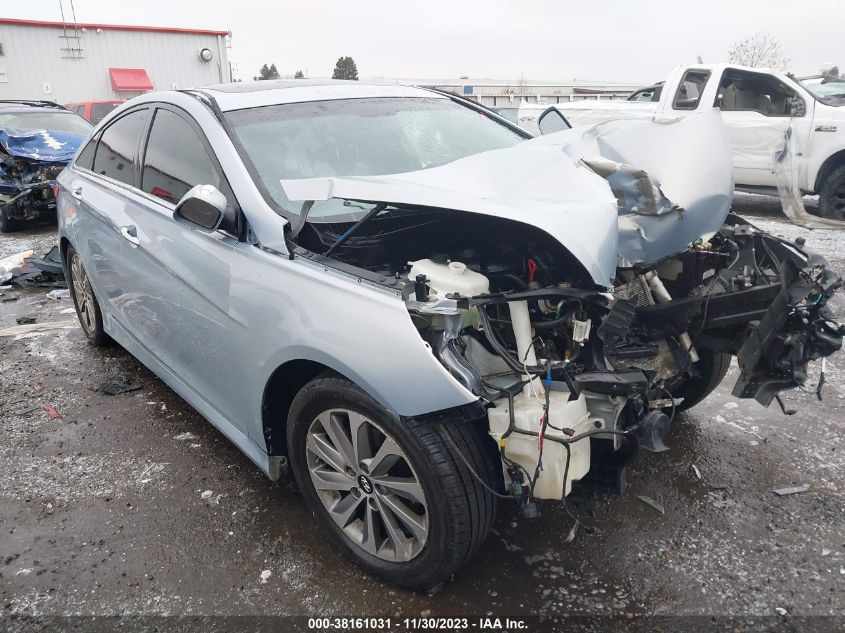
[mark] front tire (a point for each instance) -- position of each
(832, 195)
(712, 368)
(390, 495)
(87, 308)
(7, 224)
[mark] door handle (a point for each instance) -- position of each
(130, 234)
(76, 192)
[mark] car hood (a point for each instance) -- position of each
(49, 146)
(578, 186)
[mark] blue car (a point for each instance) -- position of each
(37, 140)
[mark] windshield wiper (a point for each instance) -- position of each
(381, 206)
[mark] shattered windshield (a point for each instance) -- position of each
(360, 137)
(825, 89)
(59, 121)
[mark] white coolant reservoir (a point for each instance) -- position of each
(524, 449)
(450, 278)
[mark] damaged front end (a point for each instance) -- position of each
(30, 162)
(582, 300)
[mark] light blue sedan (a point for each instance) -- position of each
(418, 310)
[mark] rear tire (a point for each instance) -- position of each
(87, 308)
(712, 368)
(832, 195)
(451, 512)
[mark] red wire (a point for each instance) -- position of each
(532, 269)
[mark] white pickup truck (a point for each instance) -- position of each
(758, 108)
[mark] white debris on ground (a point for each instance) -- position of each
(265, 576)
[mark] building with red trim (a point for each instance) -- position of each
(72, 62)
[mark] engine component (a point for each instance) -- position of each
(661, 295)
(660, 359)
(521, 320)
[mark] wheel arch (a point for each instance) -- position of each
(832, 162)
(279, 391)
(291, 376)
(64, 244)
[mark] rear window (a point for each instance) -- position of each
(689, 92)
(100, 110)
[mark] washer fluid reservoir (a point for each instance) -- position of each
(454, 277)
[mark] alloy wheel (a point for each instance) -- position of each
(84, 296)
(367, 485)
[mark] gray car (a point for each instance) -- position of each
(418, 310)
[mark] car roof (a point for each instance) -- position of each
(251, 94)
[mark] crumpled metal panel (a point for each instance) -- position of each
(546, 182)
(49, 146)
(688, 160)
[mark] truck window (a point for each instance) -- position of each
(689, 92)
(649, 94)
(743, 91)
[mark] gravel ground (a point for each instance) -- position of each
(133, 504)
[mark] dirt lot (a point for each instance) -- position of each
(133, 504)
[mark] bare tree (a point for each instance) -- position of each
(522, 85)
(760, 50)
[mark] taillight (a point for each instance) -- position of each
(56, 189)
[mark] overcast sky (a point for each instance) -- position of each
(635, 41)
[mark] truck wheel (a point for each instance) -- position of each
(392, 496)
(832, 195)
(87, 307)
(7, 224)
(712, 368)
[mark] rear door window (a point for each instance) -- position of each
(175, 159)
(688, 95)
(116, 150)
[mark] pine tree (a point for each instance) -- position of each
(267, 72)
(345, 68)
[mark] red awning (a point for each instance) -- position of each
(130, 79)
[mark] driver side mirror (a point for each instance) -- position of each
(552, 120)
(203, 207)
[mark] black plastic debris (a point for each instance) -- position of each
(25, 320)
(44, 272)
(118, 385)
(791, 490)
(51, 262)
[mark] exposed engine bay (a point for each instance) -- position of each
(26, 187)
(567, 361)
